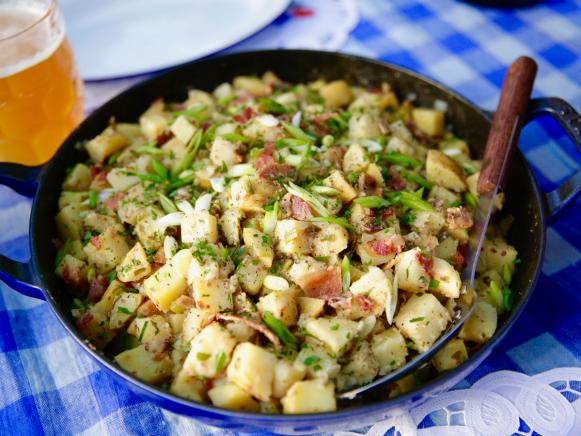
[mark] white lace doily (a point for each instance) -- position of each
(314, 24)
(501, 403)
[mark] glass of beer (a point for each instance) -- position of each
(41, 99)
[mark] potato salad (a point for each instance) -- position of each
(267, 245)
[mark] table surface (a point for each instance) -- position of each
(533, 379)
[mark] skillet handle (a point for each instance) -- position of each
(19, 275)
(570, 120)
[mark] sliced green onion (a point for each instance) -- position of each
(235, 137)
(411, 201)
(270, 219)
(159, 169)
(187, 160)
(62, 253)
(507, 298)
(282, 331)
(296, 132)
(305, 157)
(192, 112)
(220, 361)
(372, 202)
(471, 200)
(272, 106)
(240, 170)
(112, 275)
(334, 220)
(401, 160)
(346, 273)
(291, 142)
(93, 199)
(324, 190)
(327, 141)
(434, 284)
(148, 149)
(166, 204)
(496, 294)
(506, 274)
(415, 177)
(145, 324)
(305, 195)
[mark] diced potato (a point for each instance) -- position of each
(496, 253)
(120, 180)
(379, 247)
(281, 304)
(199, 227)
(335, 333)
(398, 145)
(319, 362)
(210, 351)
(67, 197)
(105, 144)
(446, 278)
(361, 367)
(454, 147)
(241, 331)
(230, 396)
(293, 236)
(447, 248)
(355, 159)
(176, 321)
(429, 121)
(145, 365)
(337, 180)
(230, 226)
(357, 218)
(336, 93)
(168, 282)
(134, 266)
(131, 130)
(79, 179)
(443, 170)
(440, 193)
(188, 386)
(251, 84)
(252, 369)
(214, 295)
(195, 320)
(124, 309)
(309, 396)
(433, 221)
(259, 244)
(99, 222)
(364, 126)
(310, 307)
(153, 331)
(375, 286)
(330, 240)
(199, 97)
(243, 197)
(422, 319)
(94, 326)
(183, 129)
(69, 222)
(481, 325)
(285, 374)
(251, 273)
(410, 273)
(107, 250)
(389, 349)
(472, 183)
(224, 151)
(174, 151)
(105, 304)
(450, 355)
(153, 122)
(148, 232)
(72, 269)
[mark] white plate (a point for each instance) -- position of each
(119, 38)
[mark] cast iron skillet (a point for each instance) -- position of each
(530, 207)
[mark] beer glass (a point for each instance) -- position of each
(40, 89)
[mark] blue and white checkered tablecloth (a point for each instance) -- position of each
(49, 385)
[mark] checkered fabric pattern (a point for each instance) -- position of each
(49, 385)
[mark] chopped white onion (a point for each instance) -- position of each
(105, 194)
(452, 152)
(365, 326)
(276, 283)
(185, 174)
(203, 203)
(270, 219)
(218, 183)
(267, 120)
(391, 303)
(170, 220)
(293, 159)
(185, 207)
(440, 105)
(194, 271)
(241, 170)
(372, 146)
(324, 190)
(296, 120)
(170, 247)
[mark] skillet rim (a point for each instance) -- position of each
(443, 380)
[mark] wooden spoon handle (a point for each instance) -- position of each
(507, 122)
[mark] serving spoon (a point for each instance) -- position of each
(500, 145)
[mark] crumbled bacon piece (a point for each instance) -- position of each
(459, 218)
(395, 181)
(185, 301)
(368, 185)
(244, 116)
(147, 308)
(334, 156)
(96, 242)
(323, 284)
(427, 262)
(365, 304)
(296, 208)
(383, 247)
(95, 170)
(267, 167)
(97, 287)
(73, 277)
(84, 321)
(163, 138)
(159, 256)
(112, 203)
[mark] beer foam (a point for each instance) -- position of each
(23, 43)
